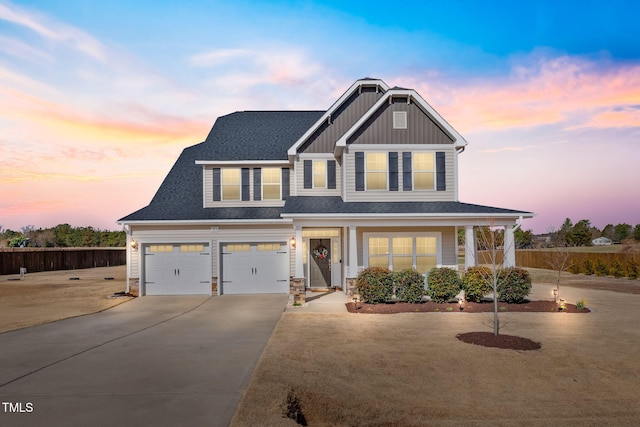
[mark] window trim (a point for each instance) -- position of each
(414, 170)
(386, 171)
(391, 235)
(313, 173)
(223, 185)
(262, 183)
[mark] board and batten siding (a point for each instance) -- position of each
(401, 196)
(449, 237)
(208, 189)
(421, 129)
(354, 107)
(299, 177)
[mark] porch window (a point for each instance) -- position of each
(379, 252)
(398, 252)
(271, 183)
(423, 171)
(230, 183)
(376, 171)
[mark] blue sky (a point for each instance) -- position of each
(97, 99)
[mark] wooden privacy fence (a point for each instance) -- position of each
(50, 259)
(540, 259)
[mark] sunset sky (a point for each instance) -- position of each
(97, 99)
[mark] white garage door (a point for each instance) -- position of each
(177, 269)
(255, 268)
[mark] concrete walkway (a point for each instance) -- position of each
(322, 302)
(151, 361)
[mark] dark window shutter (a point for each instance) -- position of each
(285, 183)
(359, 171)
(217, 185)
(441, 174)
(331, 174)
(257, 184)
(246, 185)
(308, 174)
(393, 171)
(407, 176)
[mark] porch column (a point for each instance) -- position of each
(509, 247)
(470, 259)
(299, 249)
(353, 252)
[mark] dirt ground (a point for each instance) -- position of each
(409, 369)
(49, 296)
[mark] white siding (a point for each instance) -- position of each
(388, 196)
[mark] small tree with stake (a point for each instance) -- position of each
(558, 258)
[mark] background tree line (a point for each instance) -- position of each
(61, 236)
(569, 234)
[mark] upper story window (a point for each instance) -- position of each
(231, 183)
(271, 185)
(399, 119)
(319, 174)
(423, 171)
(376, 171)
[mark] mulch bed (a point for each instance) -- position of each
(487, 339)
(467, 307)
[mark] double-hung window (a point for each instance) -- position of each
(423, 171)
(230, 183)
(319, 174)
(271, 188)
(376, 171)
(398, 252)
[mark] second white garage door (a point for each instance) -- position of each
(255, 268)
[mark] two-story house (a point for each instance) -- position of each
(272, 198)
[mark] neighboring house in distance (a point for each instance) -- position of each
(273, 199)
(601, 241)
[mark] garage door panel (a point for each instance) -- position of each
(255, 268)
(175, 269)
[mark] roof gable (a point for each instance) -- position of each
(326, 117)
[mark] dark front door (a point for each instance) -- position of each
(320, 266)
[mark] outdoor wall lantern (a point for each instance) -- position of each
(134, 245)
(292, 242)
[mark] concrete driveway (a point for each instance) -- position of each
(164, 361)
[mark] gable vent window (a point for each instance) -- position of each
(399, 119)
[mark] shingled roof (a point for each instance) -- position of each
(328, 205)
(246, 135)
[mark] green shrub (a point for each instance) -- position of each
(581, 304)
(587, 267)
(514, 284)
(477, 282)
(616, 269)
(601, 268)
(574, 268)
(409, 285)
(375, 285)
(632, 269)
(444, 284)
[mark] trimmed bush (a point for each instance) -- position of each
(444, 284)
(375, 285)
(409, 285)
(574, 268)
(514, 284)
(477, 282)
